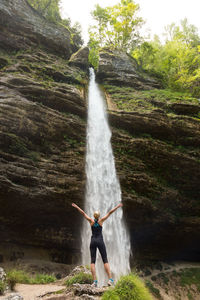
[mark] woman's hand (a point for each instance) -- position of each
(120, 204)
(74, 205)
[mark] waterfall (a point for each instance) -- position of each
(103, 190)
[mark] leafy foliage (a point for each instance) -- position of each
(48, 8)
(116, 27)
(177, 62)
(129, 287)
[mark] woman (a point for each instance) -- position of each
(97, 241)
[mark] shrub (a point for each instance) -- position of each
(2, 287)
(79, 278)
(129, 287)
(16, 276)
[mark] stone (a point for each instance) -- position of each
(2, 274)
(118, 68)
(23, 27)
(14, 296)
(48, 146)
(43, 111)
(3, 62)
(87, 289)
(184, 109)
(80, 59)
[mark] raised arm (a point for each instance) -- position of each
(82, 212)
(110, 212)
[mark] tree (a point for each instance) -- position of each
(117, 26)
(177, 61)
(48, 8)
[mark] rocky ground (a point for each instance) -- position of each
(165, 281)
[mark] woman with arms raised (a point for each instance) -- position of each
(97, 241)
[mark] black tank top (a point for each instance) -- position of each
(96, 230)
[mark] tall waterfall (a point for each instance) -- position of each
(103, 190)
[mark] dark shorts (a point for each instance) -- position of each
(98, 243)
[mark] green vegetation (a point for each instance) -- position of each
(50, 10)
(2, 287)
(129, 287)
(79, 278)
(153, 290)
(117, 27)
(176, 62)
(190, 276)
(17, 145)
(129, 99)
(18, 276)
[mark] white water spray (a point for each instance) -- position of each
(103, 190)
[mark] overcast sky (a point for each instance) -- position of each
(156, 13)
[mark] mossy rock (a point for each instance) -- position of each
(3, 62)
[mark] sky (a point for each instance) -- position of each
(156, 13)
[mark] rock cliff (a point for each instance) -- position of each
(23, 27)
(42, 137)
(156, 139)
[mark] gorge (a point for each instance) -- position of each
(43, 112)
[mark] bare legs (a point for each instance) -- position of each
(92, 266)
(106, 267)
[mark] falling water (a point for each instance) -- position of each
(103, 190)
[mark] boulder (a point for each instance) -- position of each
(80, 59)
(2, 275)
(118, 68)
(14, 296)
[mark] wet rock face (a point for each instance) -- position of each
(157, 160)
(119, 68)
(22, 27)
(80, 59)
(42, 144)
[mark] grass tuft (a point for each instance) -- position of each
(79, 278)
(2, 287)
(18, 276)
(129, 287)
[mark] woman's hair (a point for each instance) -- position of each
(96, 214)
